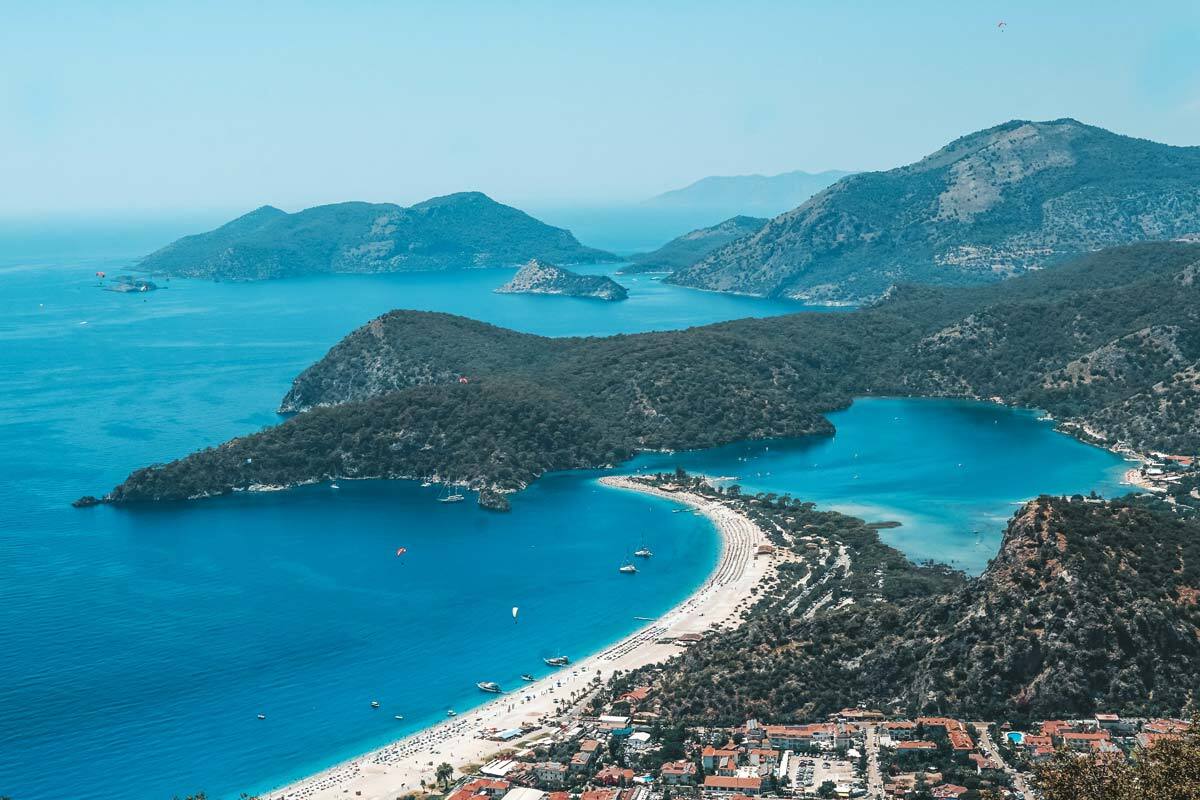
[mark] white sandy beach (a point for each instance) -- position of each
(399, 768)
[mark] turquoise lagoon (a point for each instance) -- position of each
(140, 645)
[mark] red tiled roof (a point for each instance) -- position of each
(731, 782)
(947, 790)
(917, 745)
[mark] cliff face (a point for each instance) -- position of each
(536, 277)
(993, 204)
(460, 230)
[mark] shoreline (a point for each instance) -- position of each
(399, 767)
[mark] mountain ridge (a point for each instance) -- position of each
(466, 229)
(992, 204)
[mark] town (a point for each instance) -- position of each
(626, 753)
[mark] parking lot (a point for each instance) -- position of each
(809, 772)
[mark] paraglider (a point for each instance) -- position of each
(464, 379)
(1001, 25)
(99, 274)
(515, 615)
(401, 551)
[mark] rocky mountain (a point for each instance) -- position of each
(683, 251)
(1109, 344)
(762, 195)
(993, 204)
(1089, 605)
(468, 229)
(536, 277)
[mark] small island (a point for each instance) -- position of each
(537, 277)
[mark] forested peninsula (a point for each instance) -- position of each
(1109, 344)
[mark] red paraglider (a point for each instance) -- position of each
(401, 551)
(99, 274)
(464, 379)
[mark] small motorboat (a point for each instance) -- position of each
(627, 569)
(398, 716)
(451, 713)
(490, 686)
(262, 716)
(334, 485)
(528, 677)
(557, 661)
(374, 704)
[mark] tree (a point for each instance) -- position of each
(444, 773)
(1166, 770)
(827, 789)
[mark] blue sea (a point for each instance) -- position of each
(141, 644)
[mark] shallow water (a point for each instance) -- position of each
(141, 644)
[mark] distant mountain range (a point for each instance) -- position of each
(467, 229)
(761, 195)
(683, 251)
(996, 203)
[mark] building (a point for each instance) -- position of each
(525, 793)
(638, 741)
(948, 790)
(728, 785)
(798, 737)
(551, 774)
(582, 760)
(762, 756)
(613, 776)
(714, 759)
(915, 749)
(901, 730)
(676, 773)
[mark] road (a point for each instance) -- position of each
(874, 776)
(989, 749)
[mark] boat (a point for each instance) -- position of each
(643, 552)
(490, 686)
(557, 661)
(262, 716)
(528, 677)
(398, 716)
(644, 619)
(454, 497)
(451, 713)
(374, 704)
(334, 485)
(425, 484)
(627, 568)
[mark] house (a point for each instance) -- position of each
(947, 790)
(675, 773)
(915, 748)
(636, 696)
(582, 760)
(550, 773)
(1084, 741)
(600, 794)
(639, 741)
(613, 776)
(761, 756)
(480, 789)
(728, 785)
(901, 730)
(713, 759)
(525, 793)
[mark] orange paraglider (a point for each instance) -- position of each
(401, 551)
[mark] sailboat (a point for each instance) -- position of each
(452, 497)
(627, 568)
(643, 551)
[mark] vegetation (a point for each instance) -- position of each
(1090, 605)
(536, 277)
(992, 204)
(468, 229)
(1167, 770)
(683, 251)
(418, 394)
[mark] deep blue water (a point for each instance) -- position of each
(140, 644)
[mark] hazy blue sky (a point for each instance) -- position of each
(132, 106)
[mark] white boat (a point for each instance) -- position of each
(374, 704)
(528, 678)
(262, 716)
(425, 484)
(398, 716)
(455, 497)
(627, 569)
(334, 485)
(557, 661)
(451, 713)
(490, 686)
(643, 552)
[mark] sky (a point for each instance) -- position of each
(136, 108)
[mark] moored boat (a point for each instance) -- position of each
(557, 661)
(489, 686)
